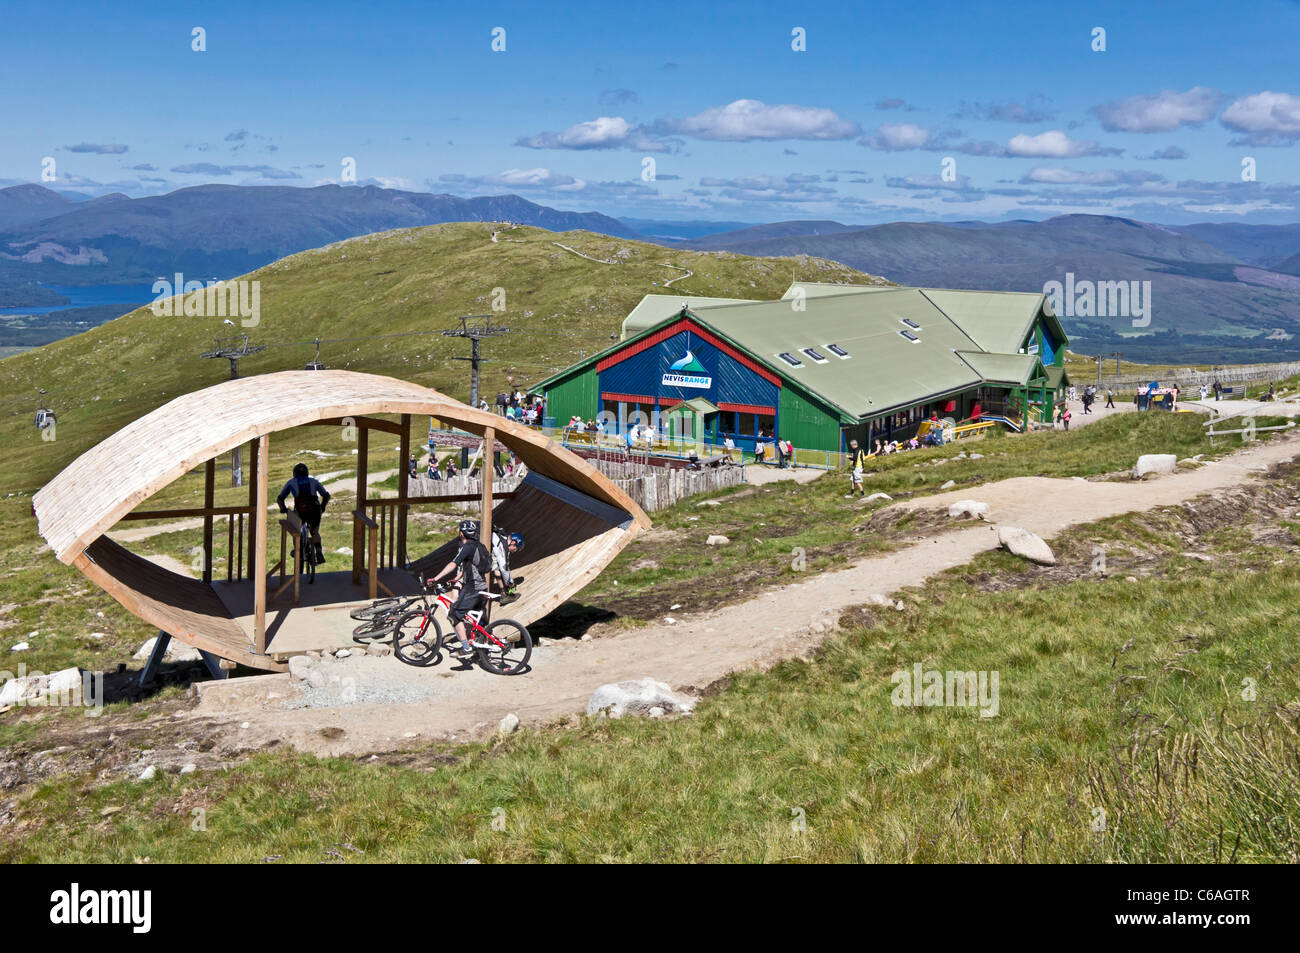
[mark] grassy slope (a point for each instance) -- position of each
(1117, 693)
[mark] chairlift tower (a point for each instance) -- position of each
(232, 349)
(475, 333)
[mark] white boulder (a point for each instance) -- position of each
(300, 666)
(969, 509)
(879, 496)
(716, 541)
(1156, 463)
(29, 688)
(637, 697)
(177, 651)
(1027, 545)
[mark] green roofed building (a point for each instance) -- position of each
(823, 364)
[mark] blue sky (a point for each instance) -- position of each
(740, 126)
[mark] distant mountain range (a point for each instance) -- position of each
(1220, 291)
(224, 230)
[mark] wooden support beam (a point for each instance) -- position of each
(185, 512)
(403, 486)
(488, 471)
(358, 532)
(209, 489)
(261, 463)
(257, 499)
(377, 501)
(370, 423)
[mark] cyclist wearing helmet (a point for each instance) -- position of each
(503, 547)
(470, 566)
(309, 502)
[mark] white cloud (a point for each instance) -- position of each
(1161, 112)
(1054, 144)
(897, 136)
(1266, 118)
(1054, 176)
(604, 132)
(748, 119)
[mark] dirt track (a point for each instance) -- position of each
(699, 647)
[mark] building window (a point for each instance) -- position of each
(790, 359)
(812, 352)
(910, 336)
(911, 324)
(837, 350)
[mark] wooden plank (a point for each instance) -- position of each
(180, 513)
(403, 475)
(209, 490)
(358, 534)
(262, 461)
(370, 423)
(489, 472)
(260, 464)
(184, 607)
(449, 498)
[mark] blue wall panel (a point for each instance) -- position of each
(731, 381)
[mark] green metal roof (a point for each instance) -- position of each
(883, 369)
(1056, 376)
(818, 289)
(654, 308)
(996, 320)
(1018, 369)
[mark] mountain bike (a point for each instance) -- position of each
(502, 647)
(378, 619)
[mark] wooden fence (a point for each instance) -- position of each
(663, 487)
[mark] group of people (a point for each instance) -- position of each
(434, 469)
(525, 408)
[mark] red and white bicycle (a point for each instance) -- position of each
(502, 647)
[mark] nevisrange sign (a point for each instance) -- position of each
(687, 372)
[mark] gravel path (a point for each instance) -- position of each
(695, 649)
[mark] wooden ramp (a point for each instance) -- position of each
(186, 608)
(575, 520)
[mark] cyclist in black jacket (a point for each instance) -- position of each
(471, 566)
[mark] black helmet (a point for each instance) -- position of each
(469, 529)
(300, 469)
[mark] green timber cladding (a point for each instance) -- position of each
(823, 362)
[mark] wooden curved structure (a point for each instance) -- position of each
(575, 519)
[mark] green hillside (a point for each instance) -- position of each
(557, 305)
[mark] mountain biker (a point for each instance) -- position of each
(309, 502)
(470, 566)
(503, 547)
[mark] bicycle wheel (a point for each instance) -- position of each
(379, 607)
(508, 650)
(308, 557)
(378, 629)
(412, 647)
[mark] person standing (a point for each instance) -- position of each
(1110, 397)
(857, 463)
(1218, 389)
(1065, 415)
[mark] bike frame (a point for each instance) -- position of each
(475, 618)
